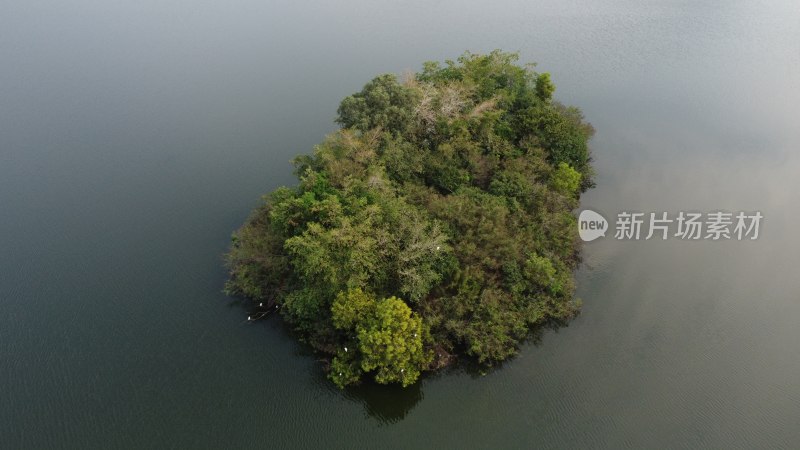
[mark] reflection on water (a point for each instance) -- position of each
(387, 404)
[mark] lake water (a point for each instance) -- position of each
(136, 136)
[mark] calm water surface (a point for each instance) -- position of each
(135, 136)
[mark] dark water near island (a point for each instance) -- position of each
(134, 137)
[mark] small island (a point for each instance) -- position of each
(436, 223)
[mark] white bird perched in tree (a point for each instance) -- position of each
(260, 304)
(248, 318)
(438, 247)
(345, 349)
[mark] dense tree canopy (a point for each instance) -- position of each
(437, 221)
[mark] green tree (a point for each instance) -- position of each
(383, 103)
(390, 341)
(544, 87)
(453, 191)
(389, 336)
(349, 308)
(566, 179)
